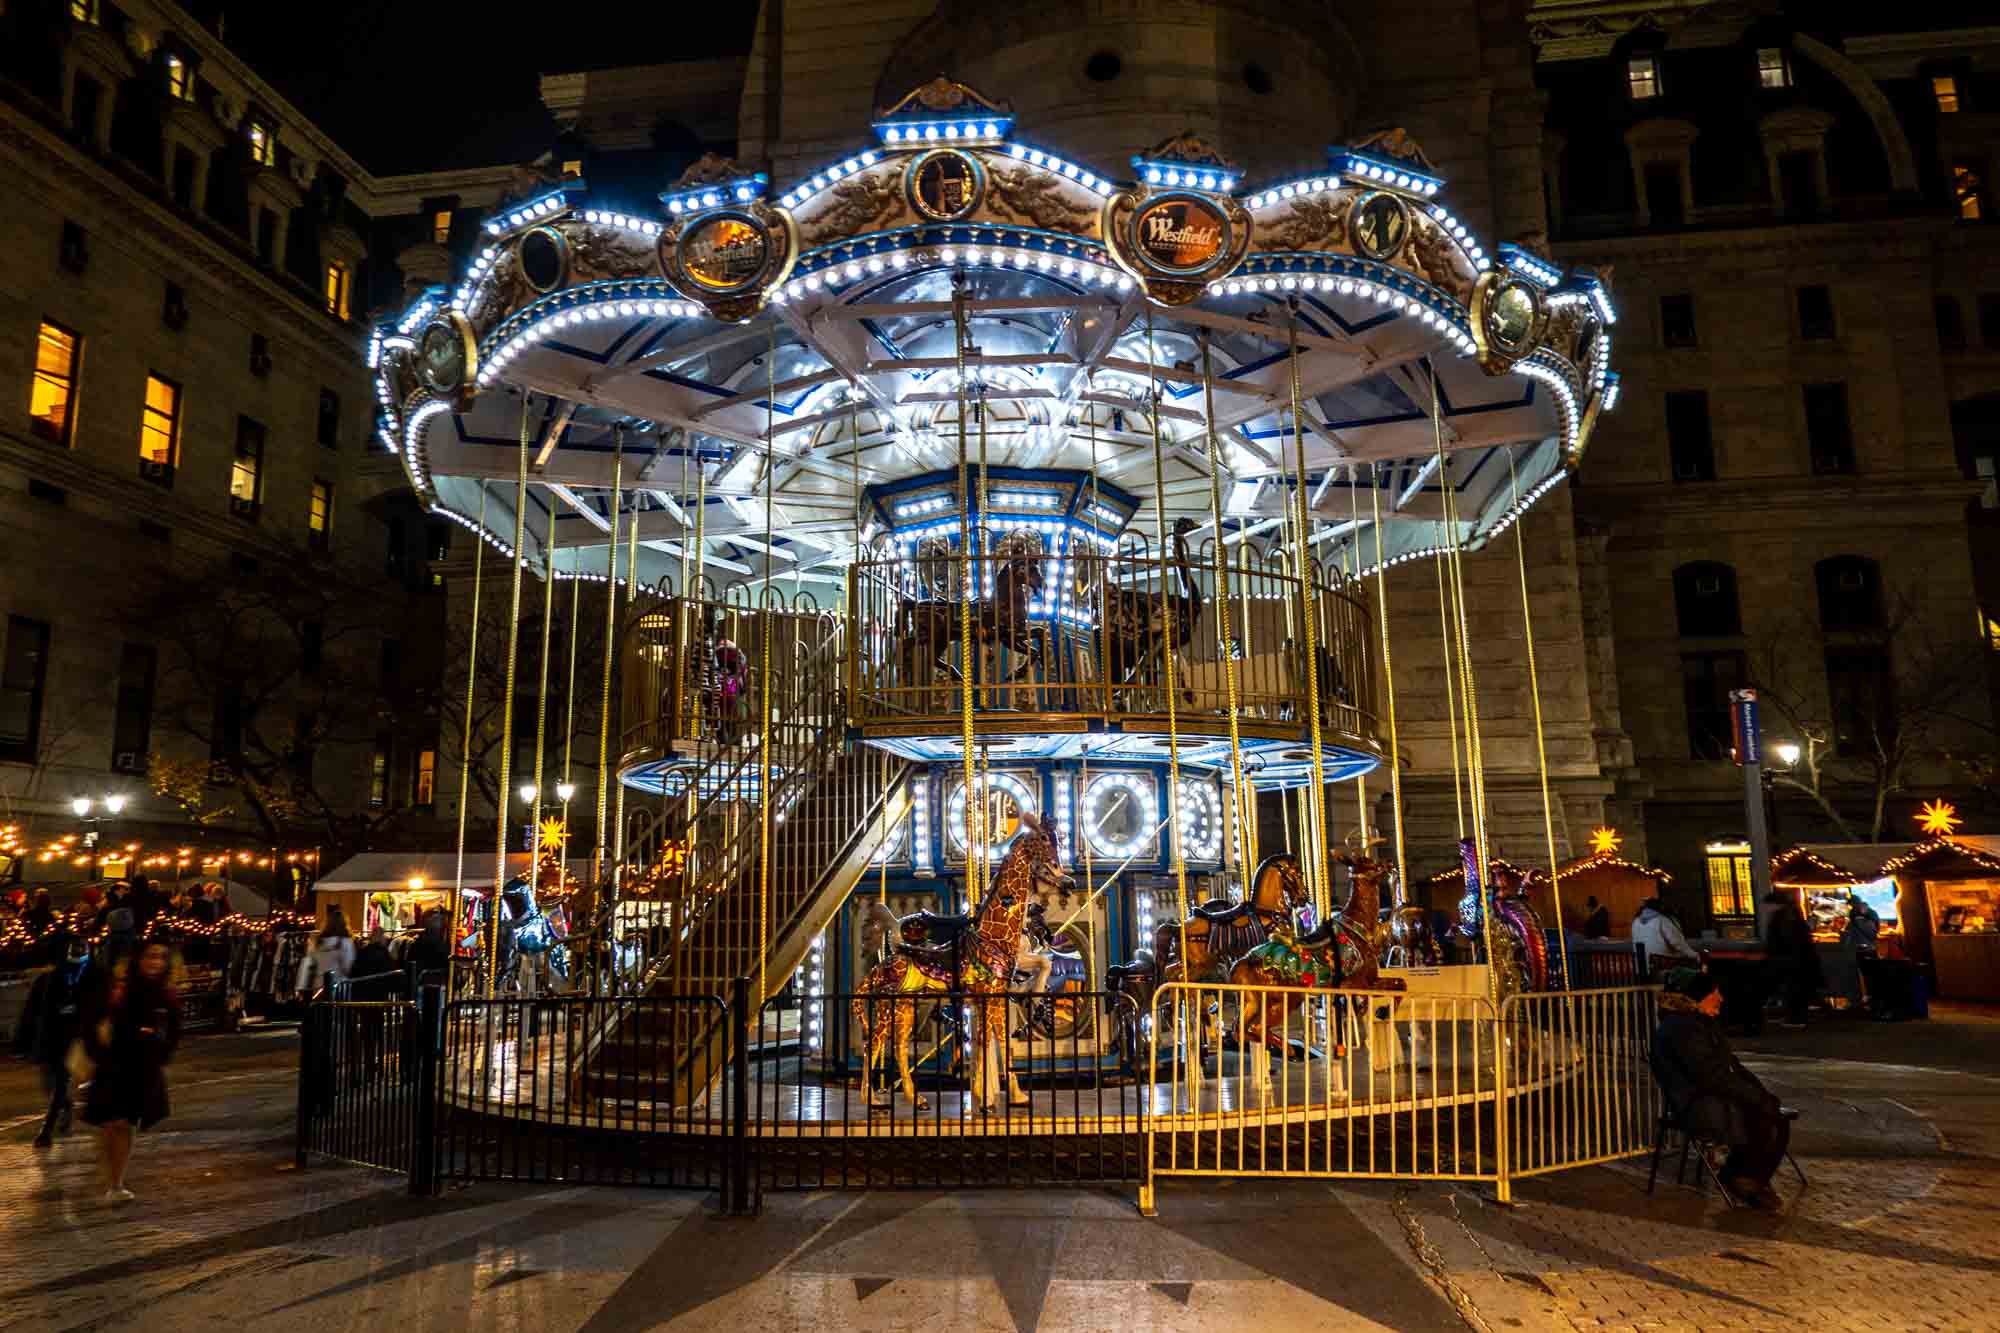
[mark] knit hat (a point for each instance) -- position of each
(1691, 982)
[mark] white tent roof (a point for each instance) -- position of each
(378, 872)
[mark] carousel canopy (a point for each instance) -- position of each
(756, 368)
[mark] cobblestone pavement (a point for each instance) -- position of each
(1900, 1136)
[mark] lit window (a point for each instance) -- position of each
(1772, 69)
(573, 167)
(263, 145)
(1991, 628)
(1642, 77)
(52, 400)
(1965, 190)
(378, 771)
(426, 783)
(83, 11)
(180, 80)
(160, 422)
(334, 290)
(1945, 89)
(1729, 888)
(246, 469)
(441, 226)
(319, 515)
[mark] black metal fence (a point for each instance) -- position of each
(363, 1067)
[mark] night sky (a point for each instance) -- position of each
(445, 83)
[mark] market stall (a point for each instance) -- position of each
(1617, 884)
(1950, 912)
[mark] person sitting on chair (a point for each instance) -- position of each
(1711, 1094)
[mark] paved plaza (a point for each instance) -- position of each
(1900, 1136)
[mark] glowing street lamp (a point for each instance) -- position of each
(1788, 752)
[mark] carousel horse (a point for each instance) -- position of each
(1141, 628)
(1338, 954)
(974, 953)
(1519, 957)
(931, 624)
(533, 945)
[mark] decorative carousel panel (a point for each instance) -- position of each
(1120, 814)
(1007, 794)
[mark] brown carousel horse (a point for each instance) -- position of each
(976, 952)
(1340, 953)
(1140, 627)
(930, 625)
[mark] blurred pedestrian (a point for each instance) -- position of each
(52, 1021)
(41, 914)
(374, 969)
(1661, 934)
(1792, 955)
(130, 1037)
(330, 958)
(428, 959)
(121, 937)
(1597, 920)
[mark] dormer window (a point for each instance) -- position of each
(1773, 70)
(263, 144)
(1642, 78)
(1944, 89)
(180, 79)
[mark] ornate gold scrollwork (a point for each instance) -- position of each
(1509, 320)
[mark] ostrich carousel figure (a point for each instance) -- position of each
(976, 954)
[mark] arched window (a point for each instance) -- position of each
(1705, 605)
(1850, 594)
(1950, 324)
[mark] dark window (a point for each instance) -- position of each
(87, 104)
(1689, 444)
(398, 561)
(260, 355)
(1816, 312)
(1103, 67)
(132, 731)
(225, 733)
(1705, 604)
(267, 235)
(24, 672)
(1706, 680)
(1677, 320)
(159, 532)
(1850, 594)
(246, 472)
(1829, 434)
(1989, 318)
(183, 178)
(243, 566)
(42, 490)
(1257, 79)
(1860, 696)
(1663, 194)
(329, 418)
(392, 663)
(1798, 183)
(378, 769)
(74, 252)
(174, 310)
(1950, 324)
(312, 644)
(437, 536)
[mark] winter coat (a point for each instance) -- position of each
(1710, 1091)
(1662, 938)
(374, 974)
(1788, 939)
(53, 1017)
(330, 956)
(131, 1036)
(427, 954)
(1863, 928)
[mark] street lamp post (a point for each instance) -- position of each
(82, 806)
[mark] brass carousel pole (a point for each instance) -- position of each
(1169, 629)
(1241, 799)
(465, 752)
(1541, 740)
(1389, 686)
(507, 713)
(968, 574)
(542, 696)
(1309, 616)
(766, 624)
(604, 777)
(631, 599)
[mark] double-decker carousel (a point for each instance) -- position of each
(991, 539)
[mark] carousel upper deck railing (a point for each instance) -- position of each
(1068, 642)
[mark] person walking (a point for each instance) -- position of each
(1794, 959)
(41, 914)
(428, 959)
(130, 1037)
(52, 1020)
(330, 958)
(374, 969)
(121, 937)
(1712, 1095)
(1596, 921)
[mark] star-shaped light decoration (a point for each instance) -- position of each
(1604, 840)
(1938, 818)
(552, 836)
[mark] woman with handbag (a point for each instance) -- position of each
(130, 1038)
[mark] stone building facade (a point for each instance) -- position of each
(184, 306)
